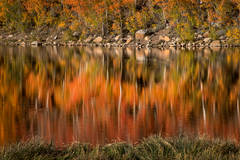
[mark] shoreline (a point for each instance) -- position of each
(164, 39)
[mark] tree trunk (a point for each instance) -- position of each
(135, 4)
(103, 29)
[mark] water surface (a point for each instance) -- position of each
(99, 95)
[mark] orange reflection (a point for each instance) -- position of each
(72, 94)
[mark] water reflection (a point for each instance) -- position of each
(100, 95)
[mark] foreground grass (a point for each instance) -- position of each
(151, 148)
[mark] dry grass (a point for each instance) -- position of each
(154, 147)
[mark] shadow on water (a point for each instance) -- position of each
(100, 95)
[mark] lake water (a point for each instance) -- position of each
(99, 95)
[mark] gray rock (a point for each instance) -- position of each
(223, 41)
(178, 39)
(22, 44)
(55, 37)
(108, 45)
(220, 33)
(98, 40)
(199, 36)
(70, 43)
(120, 41)
(172, 44)
(149, 45)
(35, 43)
(216, 24)
(207, 40)
(183, 44)
(117, 38)
(147, 38)
(89, 39)
(202, 45)
(206, 34)
(140, 34)
(164, 38)
(76, 34)
(189, 44)
(129, 39)
(222, 37)
(215, 43)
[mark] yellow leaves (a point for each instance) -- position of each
(234, 34)
(61, 24)
(113, 14)
(75, 25)
(138, 20)
(36, 10)
(3, 12)
(116, 27)
(131, 24)
(185, 31)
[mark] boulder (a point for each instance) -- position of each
(183, 44)
(76, 34)
(147, 38)
(55, 37)
(129, 39)
(189, 44)
(215, 43)
(140, 34)
(35, 43)
(164, 38)
(89, 39)
(178, 39)
(206, 34)
(199, 36)
(155, 42)
(117, 38)
(221, 32)
(70, 43)
(108, 45)
(172, 44)
(222, 37)
(120, 41)
(206, 40)
(22, 44)
(98, 40)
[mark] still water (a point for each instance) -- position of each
(99, 95)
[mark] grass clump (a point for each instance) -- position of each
(152, 148)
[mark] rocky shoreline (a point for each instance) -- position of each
(164, 38)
